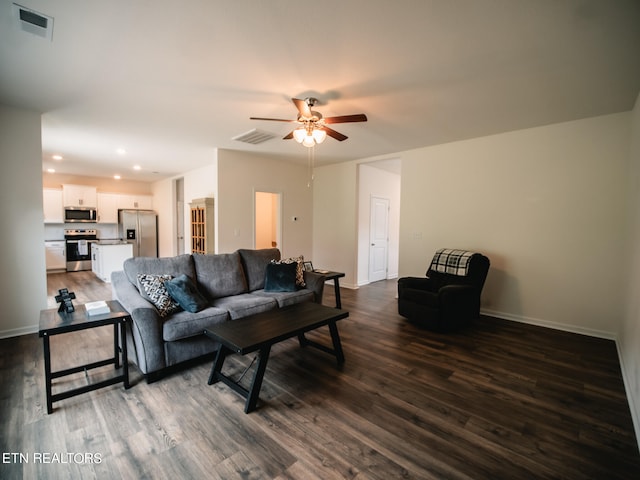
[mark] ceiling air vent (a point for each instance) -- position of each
(254, 136)
(33, 22)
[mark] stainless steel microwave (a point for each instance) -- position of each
(80, 215)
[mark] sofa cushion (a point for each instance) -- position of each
(220, 275)
(246, 304)
(185, 292)
(152, 288)
(255, 265)
(287, 298)
(174, 266)
(280, 277)
(186, 324)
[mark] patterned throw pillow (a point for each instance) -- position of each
(152, 288)
(299, 269)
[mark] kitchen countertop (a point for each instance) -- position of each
(111, 242)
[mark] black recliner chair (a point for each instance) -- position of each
(449, 297)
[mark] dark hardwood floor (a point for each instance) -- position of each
(499, 400)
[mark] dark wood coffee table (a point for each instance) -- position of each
(259, 332)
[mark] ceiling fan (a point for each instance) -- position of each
(313, 126)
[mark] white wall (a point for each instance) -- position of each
(199, 183)
(547, 205)
(335, 222)
(242, 174)
(22, 260)
(163, 205)
(629, 337)
(376, 182)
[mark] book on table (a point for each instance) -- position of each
(97, 308)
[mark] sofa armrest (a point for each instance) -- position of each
(417, 283)
(315, 283)
(146, 324)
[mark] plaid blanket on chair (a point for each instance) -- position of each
(454, 262)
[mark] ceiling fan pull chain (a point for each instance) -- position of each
(311, 151)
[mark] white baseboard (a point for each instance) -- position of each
(565, 327)
(16, 332)
(627, 388)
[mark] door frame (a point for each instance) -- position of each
(179, 224)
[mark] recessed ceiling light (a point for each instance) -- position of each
(137, 167)
(121, 151)
(51, 170)
(57, 157)
(117, 177)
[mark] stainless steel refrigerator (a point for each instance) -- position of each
(140, 229)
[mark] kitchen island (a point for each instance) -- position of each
(108, 256)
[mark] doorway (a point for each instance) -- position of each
(378, 180)
(379, 239)
(267, 220)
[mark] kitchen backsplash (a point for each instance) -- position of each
(105, 231)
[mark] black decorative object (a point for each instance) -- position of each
(64, 298)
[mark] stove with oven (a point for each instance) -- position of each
(78, 245)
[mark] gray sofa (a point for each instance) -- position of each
(233, 286)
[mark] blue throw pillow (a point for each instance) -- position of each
(280, 277)
(185, 292)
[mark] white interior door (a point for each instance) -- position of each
(379, 236)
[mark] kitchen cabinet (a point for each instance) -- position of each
(135, 202)
(55, 254)
(79, 196)
(108, 207)
(110, 203)
(109, 257)
(52, 205)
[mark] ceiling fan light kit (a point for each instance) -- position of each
(308, 141)
(309, 135)
(313, 128)
(319, 135)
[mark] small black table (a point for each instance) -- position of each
(54, 323)
(329, 275)
(261, 331)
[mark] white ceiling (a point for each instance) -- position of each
(172, 80)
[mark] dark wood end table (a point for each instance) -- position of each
(335, 276)
(259, 332)
(54, 323)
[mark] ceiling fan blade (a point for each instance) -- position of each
(289, 136)
(272, 119)
(302, 107)
(360, 117)
(332, 133)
